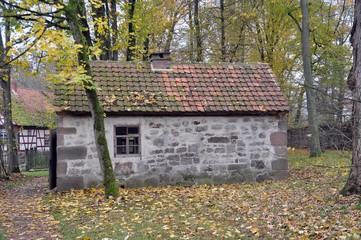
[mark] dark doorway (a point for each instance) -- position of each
(52, 163)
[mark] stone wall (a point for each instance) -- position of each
(331, 137)
(177, 150)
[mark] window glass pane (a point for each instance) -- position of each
(133, 130)
(121, 131)
(133, 149)
(121, 150)
(121, 141)
(133, 141)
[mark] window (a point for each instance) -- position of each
(126, 140)
(3, 135)
(46, 140)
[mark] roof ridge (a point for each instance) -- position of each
(183, 63)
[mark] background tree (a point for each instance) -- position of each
(353, 184)
(5, 81)
(315, 147)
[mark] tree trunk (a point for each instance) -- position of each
(13, 164)
(299, 106)
(315, 148)
(114, 26)
(131, 32)
(353, 184)
(100, 16)
(223, 33)
(191, 31)
(73, 11)
(199, 44)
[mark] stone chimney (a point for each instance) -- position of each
(160, 61)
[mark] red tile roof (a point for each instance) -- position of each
(188, 88)
(33, 100)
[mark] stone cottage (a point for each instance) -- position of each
(170, 124)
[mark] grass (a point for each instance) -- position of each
(36, 174)
(299, 159)
(307, 205)
(2, 235)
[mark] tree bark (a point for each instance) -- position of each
(114, 27)
(191, 31)
(73, 11)
(299, 106)
(353, 184)
(13, 164)
(223, 33)
(199, 43)
(315, 147)
(131, 31)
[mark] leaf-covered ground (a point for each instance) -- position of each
(23, 214)
(307, 206)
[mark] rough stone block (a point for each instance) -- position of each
(263, 177)
(158, 142)
(280, 164)
(230, 127)
(236, 167)
(282, 124)
(201, 129)
(134, 182)
(61, 168)
(281, 152)
(186, 161)
(152, 181)
(175, 133)
(173, 158)
(196, 160)
(258, 164)
(65, 131)
(174, 163)
(279, 139)
(69, 182)
(181, 150)
(280, 174)
(155, 125)
(217, 126)
(189, 130)
(218, 140)
(255, 156)
(59, 140)
(164, 178)
(71, 153)
(220, 150)
(169, 150)
(241, 143)
(59, 121)
(126, 169)
(193, 147)
(262, 135)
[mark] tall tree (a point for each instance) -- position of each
(315, 147)
(70, 15)
(131, 31)
(75, 13)
(5, 81)
(198, 34)
(353, 184)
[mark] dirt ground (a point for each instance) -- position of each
(22, 214)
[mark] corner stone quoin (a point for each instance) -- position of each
(278, 139)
